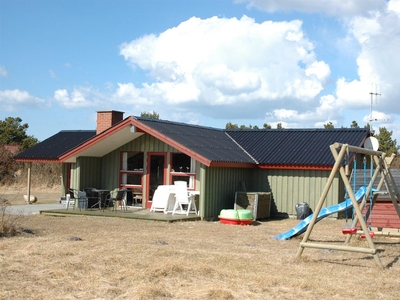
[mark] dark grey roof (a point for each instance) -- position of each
(296, 146)
(211, 143)
(292, 147)
(57, 145)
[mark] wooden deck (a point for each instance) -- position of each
(384, 214)
(135, 213)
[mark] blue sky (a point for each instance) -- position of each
(299, 63)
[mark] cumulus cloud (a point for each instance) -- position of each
(220, 61)
(378, 37)
(327, 110)
(12, 100)
(378, 61)
(81, 97)
(127, 93)
(228, 68)
(3, 71)
(329, 7)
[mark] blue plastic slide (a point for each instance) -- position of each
(302, 226)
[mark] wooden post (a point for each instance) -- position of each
(358, 213)
(321, 199)
(29, 182)
(361, 219)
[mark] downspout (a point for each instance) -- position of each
(202, 204)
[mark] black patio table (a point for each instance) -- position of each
(101, 194)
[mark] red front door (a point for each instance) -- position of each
(156, 170)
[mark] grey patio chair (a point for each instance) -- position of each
(119, 199)
(76, 197)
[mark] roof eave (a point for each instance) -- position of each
(171, 142)
(39, 160)
(232, 165)
(297, 167)
(96, 139)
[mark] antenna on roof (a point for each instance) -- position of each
(371, 119)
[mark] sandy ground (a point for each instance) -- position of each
(15, 195)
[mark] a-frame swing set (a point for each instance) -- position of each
(341, 154)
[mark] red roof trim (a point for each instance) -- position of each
(232, 165)
(97, 138)
(297, 167)
(36, 160)
(140, 127)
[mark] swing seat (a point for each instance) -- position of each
(349, 230)
(371, 234)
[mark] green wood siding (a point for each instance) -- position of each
(84, 173)
(289, 187)
(218, 190)
(90, 172)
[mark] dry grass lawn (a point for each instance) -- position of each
(112, 258)
(106, 258)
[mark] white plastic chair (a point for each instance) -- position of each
(70, 198)
(160, 200)
(183, 199)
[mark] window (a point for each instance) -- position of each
(131, 172)
(183, 169)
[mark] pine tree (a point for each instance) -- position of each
(386, 144)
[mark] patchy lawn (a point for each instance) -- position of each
(112, 258)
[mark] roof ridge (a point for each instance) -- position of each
(78, 130)
(177, 123)
(293, 129)
(242, 148)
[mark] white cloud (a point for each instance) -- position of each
(394, 5)
(127, 93)
(12, 100)
(219, 61)
(327, 111)
(378, 61)
(81, 97)
(340, 8)
(378, 116)
(3, 71)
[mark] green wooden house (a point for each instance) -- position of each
(140, 153)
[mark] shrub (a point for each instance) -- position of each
(9, 224)
(15, 173)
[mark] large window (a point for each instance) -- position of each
(131, 172)
(183, 169)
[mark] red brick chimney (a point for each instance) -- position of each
(107, 119)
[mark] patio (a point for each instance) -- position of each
(131, 213)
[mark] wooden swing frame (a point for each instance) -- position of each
(339, 152)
